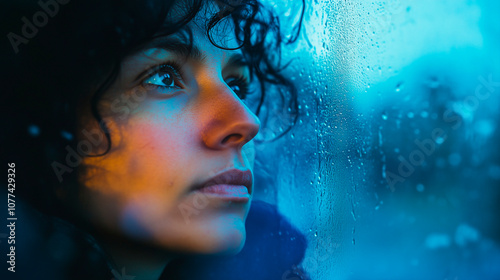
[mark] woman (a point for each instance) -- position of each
(140, 117)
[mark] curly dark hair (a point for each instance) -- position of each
(76, 52)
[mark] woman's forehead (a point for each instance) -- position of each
(192, 41)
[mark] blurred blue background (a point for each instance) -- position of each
(393, 170)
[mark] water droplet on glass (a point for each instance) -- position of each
(384, 116)
(33, 130)
(399, 87)
(439, 140)
(66, 135)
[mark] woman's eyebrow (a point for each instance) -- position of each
(237, 60)
(185, 50)
(179, 48)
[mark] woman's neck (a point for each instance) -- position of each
(134, 260)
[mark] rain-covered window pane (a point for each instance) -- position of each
(393, 170)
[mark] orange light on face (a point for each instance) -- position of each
(176, 121)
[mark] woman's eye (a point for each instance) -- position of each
(166, 77)
(239, 85)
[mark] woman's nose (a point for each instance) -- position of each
(230, 123)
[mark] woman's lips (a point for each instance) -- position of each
(233, 185)
(236, 193)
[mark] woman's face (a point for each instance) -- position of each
(176, 121)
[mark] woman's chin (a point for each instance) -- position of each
(222, 235)
(224, 238)
(230, 243)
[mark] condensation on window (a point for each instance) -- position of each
(393, 169)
